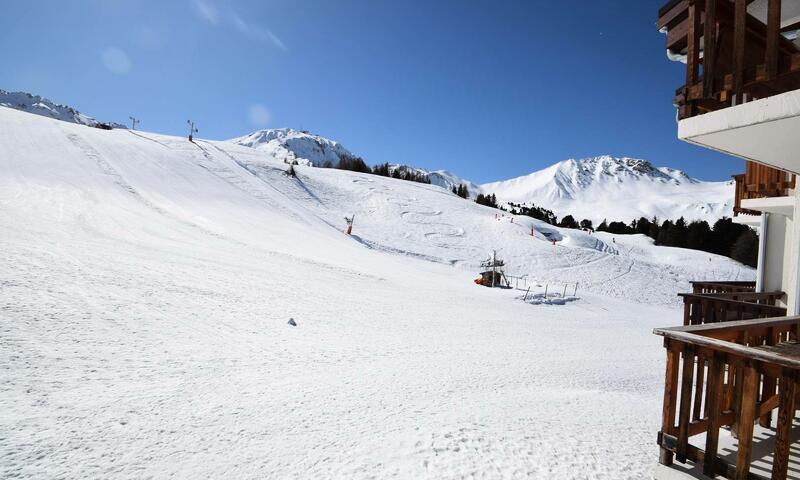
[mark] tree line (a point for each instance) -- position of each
(725, 237)
(490, 200)
(357, 164)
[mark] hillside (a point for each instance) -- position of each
(597, 188)
(147, 282)
(41, 106)
(618, 189)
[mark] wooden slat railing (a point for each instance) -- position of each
(728, 374)
(731, 306)
(707, 287)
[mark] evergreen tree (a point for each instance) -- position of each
(745, 248)
(618, 228)
(586, 224)
(568, 222)
(488, 200)
(643, 226)
(698, 235)
(679, 233)
(654, 229)
(603, 227)
(665, 235)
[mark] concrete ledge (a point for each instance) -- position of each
(777, 205)
(778, 107)
(749, 220)
(764, 131)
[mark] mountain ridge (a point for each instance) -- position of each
(39, 105)
(595, 188)
(617, 188)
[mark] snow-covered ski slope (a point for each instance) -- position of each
(146, 283)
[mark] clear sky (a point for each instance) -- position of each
(486, 89)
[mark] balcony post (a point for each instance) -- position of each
(787, 390)
(762, 252)
(773, 38)
(747, 416)
(692, 58)
(709, 48)
(739, 40)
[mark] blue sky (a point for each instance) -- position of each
(488, 90)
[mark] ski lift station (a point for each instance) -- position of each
(493, 274)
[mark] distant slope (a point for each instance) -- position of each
(617, 189)
(596, 188)
(183, 183)
(41, 106)
(288, 144)
(447, 180)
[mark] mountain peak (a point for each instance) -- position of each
(587, 171)
(620, 188)
(290, 145)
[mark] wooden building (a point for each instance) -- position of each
(735, 362)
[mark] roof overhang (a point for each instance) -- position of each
(765, 131)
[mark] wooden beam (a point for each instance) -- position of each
(780, 463)
(670, 399)
(672, 14)
(709, 48)
(696, 455)
(791, 27)
(737, 325)
(693, 52)
(713, 403)
(698, 388)
(739, 41)
(773, 38)
(747, 416)
(768, 385)
(686, 402)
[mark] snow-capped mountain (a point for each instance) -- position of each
(448, 180)
(42, 106)
(617, 189)
(289, 144)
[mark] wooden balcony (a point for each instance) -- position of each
(732, 375)
(731, 55)
(726, 307)
(760, 181)
(732, 363)
(714, 287)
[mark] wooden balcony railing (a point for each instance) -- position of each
(730, 374)
(742, 57)
(760, 181)
(726, 307)
(710, 287)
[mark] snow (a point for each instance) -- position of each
(42, 106)
(598, 188)
(146, 284)
(618, 189)
(292, 145)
